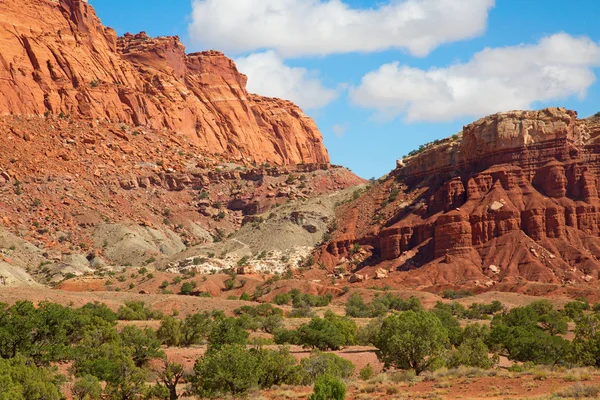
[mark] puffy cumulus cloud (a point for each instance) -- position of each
(318, 27)
(269, 76)
(495, 79)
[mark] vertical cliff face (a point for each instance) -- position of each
(57, 58)
(513, 197)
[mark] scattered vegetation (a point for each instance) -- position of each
(413, 344)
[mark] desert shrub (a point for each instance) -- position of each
(286, 336)
(306, 299)
(169, 332)
(319, 364)
(113, 363)
(195, 329)
(301, 312)
(579, 391)
(99, 310)
(264, 317)
(282, 299)
(229, 283)
(482, 311)
(23, 380)
(453, 294)
(277, 367)
(262, 310)
(585, 348)
(245, 297)
(411, 340)
(472, 352)
(522, 335)
(574, 309)
(451, 324)
(328, 387)
(322, 334)
(137, 311)
(271, 323)
(380, 306)
(331, 332)
(143, 343)
(356, 307)
(226, 331)
(45, 333)
(408, 375)
(230, 369)
(187, 288)
(366, 372)
(87, 388)
(234, 369)
(366, 335)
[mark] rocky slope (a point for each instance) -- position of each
(56, 58)
(125, 151)
(510, 199)
(87, 195)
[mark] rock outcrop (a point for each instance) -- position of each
(516, 191)
(56, 58)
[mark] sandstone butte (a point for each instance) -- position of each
(56, 58)
(510, 199)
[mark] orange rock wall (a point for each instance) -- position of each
(56, 58)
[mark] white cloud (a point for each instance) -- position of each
(340, 129)
(318, 27)
(495, 79)
(269, 76)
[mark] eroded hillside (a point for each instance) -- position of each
(510, 199)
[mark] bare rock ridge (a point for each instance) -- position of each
(56, 58)
(512, 198)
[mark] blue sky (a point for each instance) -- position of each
(382, 77)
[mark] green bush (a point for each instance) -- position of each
(472, 350)
(575, 309)
(226, 331)
(137, 311)
(301, 312)
(187, 288)
(169, 332)
(230, 369)
(523, 335)
(411, 340)
(366, 372)
(329, 333)
(306, 299)
(22, 380)
(87, 388)
(328, 387)
(319, 364)
(380, 306)
(245, 297)
(282, 299)
(452, 294)
(233, 369)
(144, 344)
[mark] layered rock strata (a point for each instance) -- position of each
(56, 58)
(515, 190)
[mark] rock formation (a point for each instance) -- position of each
(516, 191)
(56, 58)
(127, 151)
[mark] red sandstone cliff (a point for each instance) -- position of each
(57, 58)
(512, 198)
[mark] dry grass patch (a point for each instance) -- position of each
(579, 391)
